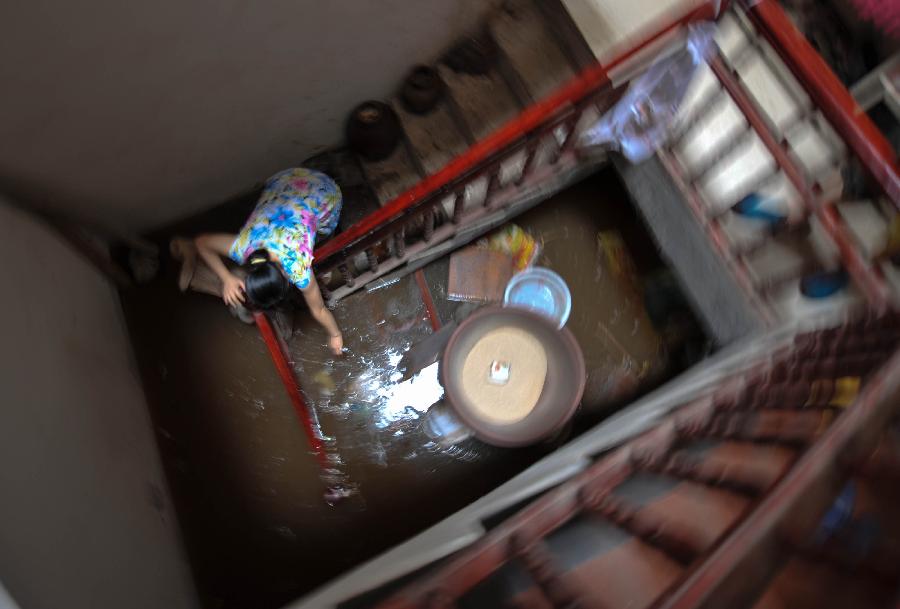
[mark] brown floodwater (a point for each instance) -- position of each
(248, 494)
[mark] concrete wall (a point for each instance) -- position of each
(85, 518)
(137, 113)
(611, 27)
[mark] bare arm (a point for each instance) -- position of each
(211, 248)
(321, 314)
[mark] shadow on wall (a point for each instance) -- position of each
(86, 519)
(141, 113)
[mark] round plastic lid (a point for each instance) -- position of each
(540, 290)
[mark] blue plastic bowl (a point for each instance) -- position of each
(542, 291)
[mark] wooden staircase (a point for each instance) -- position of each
(766, 117)
(468, 165)
(503, 141)
(766, 478)
(774, 490)
(729, 486)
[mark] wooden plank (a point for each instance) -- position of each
(434, 137)
(485, 102)
(391, 176)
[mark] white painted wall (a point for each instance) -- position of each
(137, 113)
(611, 27)
(86, 521)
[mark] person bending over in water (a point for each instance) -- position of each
(276, 245)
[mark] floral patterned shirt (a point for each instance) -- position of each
(295, 204)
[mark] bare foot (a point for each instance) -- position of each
(184, 250)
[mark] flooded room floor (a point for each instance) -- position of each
(246, 487)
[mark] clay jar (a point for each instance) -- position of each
(373, 130)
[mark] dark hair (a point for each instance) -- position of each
(265, 284)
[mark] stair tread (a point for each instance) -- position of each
(685, 504)
(391, 176)
(434, 137)
(485, 101)
(534, 53)
(765, 462)
(600, 579)
(867, 225)
(778, 258)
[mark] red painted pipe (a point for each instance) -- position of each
(586, 83)
(433, 317)
(292, 388)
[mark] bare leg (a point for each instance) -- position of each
(184, 250)
(197, 276)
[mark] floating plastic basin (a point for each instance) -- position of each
(541, 291)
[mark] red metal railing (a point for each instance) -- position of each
(278, 353)
(482, 160)
(829, 95)
(383, 235)
(767, 22)
(863, 272)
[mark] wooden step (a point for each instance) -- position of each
(705, 512)
(682, 519)
(586, 555)
(764, 464)
(485, 102)
(782, 258)
(737, 466)
(764, 426)
(533, 53)
(393, 175)
(867, 224)
(435, 137)
(649, 571)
